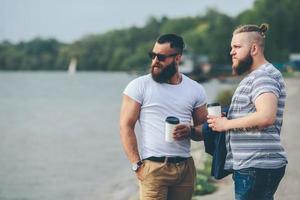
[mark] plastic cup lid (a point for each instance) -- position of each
(213, 104)
(172, 120)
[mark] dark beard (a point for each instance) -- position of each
(165, 74)
(244, 65)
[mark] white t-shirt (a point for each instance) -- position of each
(158, 101)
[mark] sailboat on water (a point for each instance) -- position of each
(72, 66)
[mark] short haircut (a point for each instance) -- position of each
(175, 41)
(260, 31)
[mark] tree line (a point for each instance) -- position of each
(126, 49)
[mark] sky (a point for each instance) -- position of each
(69, 20)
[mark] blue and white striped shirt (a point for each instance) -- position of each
(252, 147)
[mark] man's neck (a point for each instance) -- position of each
(257, 63)
(176, 79)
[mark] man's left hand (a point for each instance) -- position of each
(217, 123)
(182, 131)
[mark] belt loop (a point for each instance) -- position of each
(166, 160)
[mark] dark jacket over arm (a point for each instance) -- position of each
(215, 145)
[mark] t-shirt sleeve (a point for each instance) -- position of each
(134, 90)
(201, 97)
(264, 84)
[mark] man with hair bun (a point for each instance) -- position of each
(254, 120)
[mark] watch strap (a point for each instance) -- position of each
(137, 165)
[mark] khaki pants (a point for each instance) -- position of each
(167, 181)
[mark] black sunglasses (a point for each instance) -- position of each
(161, 57)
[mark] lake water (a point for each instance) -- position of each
(59, 137)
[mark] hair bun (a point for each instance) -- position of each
(264, 27)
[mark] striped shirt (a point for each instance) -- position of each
(252, 147)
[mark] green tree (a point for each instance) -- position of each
(126, 49)
(218, 36)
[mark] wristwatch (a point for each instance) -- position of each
(137, 165)
(193, 131)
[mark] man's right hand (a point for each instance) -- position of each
(139, 172)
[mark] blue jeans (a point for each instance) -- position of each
(256, 184)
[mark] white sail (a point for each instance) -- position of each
(72, 66)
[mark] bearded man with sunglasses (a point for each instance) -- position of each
(165, 170)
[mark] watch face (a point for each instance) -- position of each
(135, 166)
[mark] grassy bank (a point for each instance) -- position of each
(205, 183)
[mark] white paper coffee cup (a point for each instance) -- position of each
(170, 125)
(214, 109)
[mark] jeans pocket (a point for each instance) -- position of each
(192, 169)
(142, 171)
(151, 168)
(191, 165)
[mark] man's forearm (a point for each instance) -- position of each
(196, 133)
(265, 115)
(253, 120)
(130, 146)
(199, 118)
